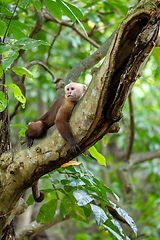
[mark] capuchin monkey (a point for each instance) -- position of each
(58, 114)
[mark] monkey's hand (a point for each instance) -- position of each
(74, 147)
(29, 141)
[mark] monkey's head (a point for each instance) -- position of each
(74, 91)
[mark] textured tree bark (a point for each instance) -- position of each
(95, 115)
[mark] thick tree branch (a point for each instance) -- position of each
(94, 115)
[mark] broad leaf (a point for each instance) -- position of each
(37, 4)
(22, 71)
(4, 47)
(82, 197)
(3, 102)
(47, 211)
(53, 8)
(76, 211)
(99, 157)
(28, 43)
(7, 61)
(17, 92)
(99, 214)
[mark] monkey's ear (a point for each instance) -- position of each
(84, 88)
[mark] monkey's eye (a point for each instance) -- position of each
(72, 88)
(67, 89)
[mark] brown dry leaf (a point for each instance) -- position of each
(70, 163)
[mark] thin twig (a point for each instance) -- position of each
(10, 21)
(131, 140)
(49, 52)
(64, 23)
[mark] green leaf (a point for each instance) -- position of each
(99, 214)
(75, 10)
(67, 10)
(22, 131)
(114, 234)
(125, 215)
(37, 4)
(76, 211)
(27, 43)
(24, 4)
(105, 139)
(3, 102)
(22, 71)
(17, 32)
(95, 154)
(19, 125)
(53, 8)
(156, 54)
(7, 61)
(82, 197)
(47, 211)
(17, 92)
(2, 28)
(6, 12)
(20, 25)
(70, 10)
(63, 211)
(76, 183)
(1, 71)
(4, 48)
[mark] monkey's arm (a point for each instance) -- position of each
(63, 127)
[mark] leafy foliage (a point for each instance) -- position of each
(80, 195)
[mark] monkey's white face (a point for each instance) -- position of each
(74, 91)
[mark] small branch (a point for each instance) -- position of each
(63, 23)
(131, 140)
(35, 228)
(44, 66)
(18, 104)
(143, 157)
(49, 52)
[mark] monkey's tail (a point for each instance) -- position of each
(38, 196)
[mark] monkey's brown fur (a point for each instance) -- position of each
(58, 114)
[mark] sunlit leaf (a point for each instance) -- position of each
(7, 61)
(1, 71)
(17, 92)
(27, 43)
(82, 197)
(114, 234)
(70, 163)
(99, 214)
(3, 102)
(105, 139)
(22, 71)
(98, 156)
(67, 10)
